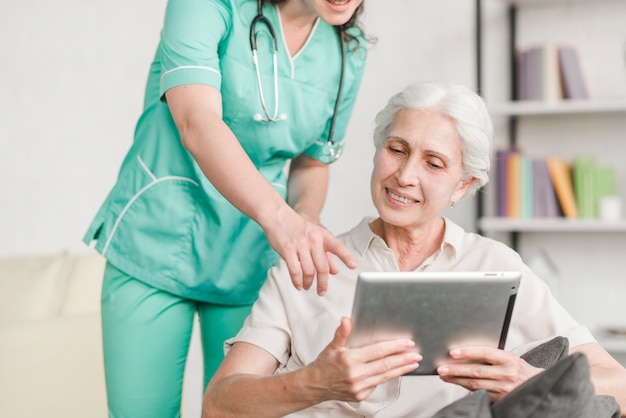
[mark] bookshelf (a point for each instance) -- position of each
(570, 107)
(586, 252)
(501, 224)
(516, 112)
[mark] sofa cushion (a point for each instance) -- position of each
(475, 405)
(548, 353)
(33, 287)
(563, 390)
(52, 368)
(41, 287)
(84, 285)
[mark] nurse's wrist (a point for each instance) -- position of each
(268, 215)
(309, 216)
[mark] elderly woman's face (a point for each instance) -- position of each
(418, 170)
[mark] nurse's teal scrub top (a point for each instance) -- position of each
(163, 222)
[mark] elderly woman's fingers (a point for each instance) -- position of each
(494, 370)
(342, 333)
(353, 373)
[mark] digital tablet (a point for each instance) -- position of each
(437, 310)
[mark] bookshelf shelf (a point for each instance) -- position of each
(528, 3)
(564, 107)
(500, 224)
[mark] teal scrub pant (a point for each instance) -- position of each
(146, 334)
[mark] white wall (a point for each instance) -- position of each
(72, 83)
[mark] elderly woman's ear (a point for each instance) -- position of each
(461, 189)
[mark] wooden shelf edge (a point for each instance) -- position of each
(495, 224)
(564, 107)
(545, 3)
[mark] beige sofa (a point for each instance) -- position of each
(50, 342)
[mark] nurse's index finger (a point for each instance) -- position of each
(334, 246)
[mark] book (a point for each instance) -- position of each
(545, 203)
(523, 75)
(551, 75)
(527, 75)
(605, 181)
(538, 73)
(539, 204)
(500, 180)
(526, 186)
(549, 72)
(561, 176)
(572, 79)
(584, 187)
(513, 191)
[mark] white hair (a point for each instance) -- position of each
(466, 109)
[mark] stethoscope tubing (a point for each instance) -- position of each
(331, 129)
(274, 117)
(255, 58)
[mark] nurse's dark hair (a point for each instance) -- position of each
(349, 34)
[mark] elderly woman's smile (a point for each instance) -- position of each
(401, 199)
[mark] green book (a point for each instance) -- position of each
(584, 187)
(605, 181)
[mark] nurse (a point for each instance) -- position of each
(246, 103)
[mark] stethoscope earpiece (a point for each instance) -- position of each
(257, 117)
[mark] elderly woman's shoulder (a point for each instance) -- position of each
(490, 253)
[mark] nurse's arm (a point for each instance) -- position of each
(306, 191)
(307, 186)
(197, 112)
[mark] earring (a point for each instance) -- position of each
(452, 204)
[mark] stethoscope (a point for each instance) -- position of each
(332, 149)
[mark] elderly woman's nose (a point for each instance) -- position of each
(408, 173)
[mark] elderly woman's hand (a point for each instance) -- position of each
(352, 374)
(497, 371)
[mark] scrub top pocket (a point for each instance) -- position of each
(171, 204)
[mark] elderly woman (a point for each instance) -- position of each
(433, 144)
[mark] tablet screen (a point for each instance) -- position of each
(438, 310)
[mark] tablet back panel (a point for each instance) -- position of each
(438, 310)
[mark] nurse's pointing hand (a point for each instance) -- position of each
(308, 250)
